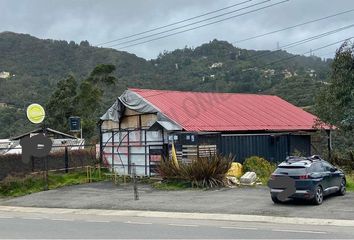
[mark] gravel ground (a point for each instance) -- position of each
(250, 200)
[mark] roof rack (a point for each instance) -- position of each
(316, 157)
(296, 158)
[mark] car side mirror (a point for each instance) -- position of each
(333, 169)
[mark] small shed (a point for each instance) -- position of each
(59, 139)
(144, 122)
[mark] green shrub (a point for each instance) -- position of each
(260, 166)
(350, 182)
(201, 172)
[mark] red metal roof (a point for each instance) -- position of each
(201, 111)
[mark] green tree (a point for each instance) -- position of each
(14, 122)
(335, 102)
(84, 100)
(61, 104)
(89, 97)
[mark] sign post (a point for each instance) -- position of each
(38, 145)
(35, 113)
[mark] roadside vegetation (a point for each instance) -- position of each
(204, 172)
(209, 172)
(260, 166)
(350, 182)
(15, 186)
(170, 185)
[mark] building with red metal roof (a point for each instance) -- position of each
(143, 120)
(205, 111)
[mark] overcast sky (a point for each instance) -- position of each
(103, 20)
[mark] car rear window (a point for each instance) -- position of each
(291, 170)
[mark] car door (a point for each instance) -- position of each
(333, 177)
(326, 177)
(335, 174)
(318, 173)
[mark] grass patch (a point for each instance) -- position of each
(350, 183)
(171, 185)
(19, 186)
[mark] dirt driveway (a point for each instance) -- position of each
(254, 200)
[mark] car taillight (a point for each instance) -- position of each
(272, 176)
(304, 176)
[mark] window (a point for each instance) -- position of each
(327, 167)
(317, 167)
(291, 170)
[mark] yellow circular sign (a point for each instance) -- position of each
(35, 113)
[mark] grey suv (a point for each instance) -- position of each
(314, 178)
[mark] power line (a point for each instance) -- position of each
(294, 44)
(303, 41)
(190, 24)
(242, 40)
(204, 25)
(294, 26)
(312, 50)
(175, 23)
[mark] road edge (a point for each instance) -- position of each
(185, 215)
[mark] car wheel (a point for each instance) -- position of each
(276, 200)
(318, 199)
(342, 188)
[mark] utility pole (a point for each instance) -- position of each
(135, 187)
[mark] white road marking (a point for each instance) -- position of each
(182, 225)
(61, 219)
(297, 231)
(31, 218)
(240, 228)
(142, 223)
(5, 217)
(97, 221)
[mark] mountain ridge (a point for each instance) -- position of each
(36, 65)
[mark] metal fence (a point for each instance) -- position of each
(63, 158)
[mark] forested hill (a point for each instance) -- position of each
(36, 65)
(39, 64)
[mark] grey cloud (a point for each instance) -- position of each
(101, 21)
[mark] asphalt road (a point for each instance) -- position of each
(41, 225)
(254, 201)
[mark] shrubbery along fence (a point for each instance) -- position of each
(61, 158)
